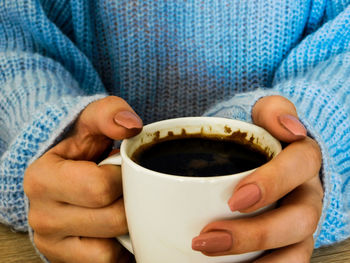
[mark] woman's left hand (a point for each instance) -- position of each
(292, 179)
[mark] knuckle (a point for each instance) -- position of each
(105, 251)
(114, 221)
(261, 238)
(313, 154)
(309, 220)
(27, 179)
(117, 219)
(31, 183)
(270, 182)
(99, 192)
(32, 219)
(42, 224)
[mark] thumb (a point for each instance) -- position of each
(111, 117)
(278, 116)
(102, 121)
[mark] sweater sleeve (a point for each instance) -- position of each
(315, 76)
(45, 82)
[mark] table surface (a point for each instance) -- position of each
(17, 248)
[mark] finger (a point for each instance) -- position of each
(293, 222)
(80, 183)
(297, 163)
(101, 121)
(68, 220)
(296, 253)
(279, 116)
(79, 249)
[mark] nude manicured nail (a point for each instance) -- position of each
(293, 125)
(245, 197)
(128, 120)
(212, 242)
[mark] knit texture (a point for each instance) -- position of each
(169, 59)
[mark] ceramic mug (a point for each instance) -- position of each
(165, 212)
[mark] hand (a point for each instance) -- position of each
(292, 178)
(76, 207)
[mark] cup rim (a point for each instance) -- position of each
(191, 121)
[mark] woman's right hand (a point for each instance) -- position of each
(76, 207)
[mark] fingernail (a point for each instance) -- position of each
(128, 120)
(293, 125)
(211, 242)
(245, 197)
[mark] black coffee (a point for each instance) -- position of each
(199, 157)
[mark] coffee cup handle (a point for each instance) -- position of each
(116, 159)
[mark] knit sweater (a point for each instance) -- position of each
(169, 59)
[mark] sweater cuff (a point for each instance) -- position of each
(240, 106)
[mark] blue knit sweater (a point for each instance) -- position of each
(168, 59)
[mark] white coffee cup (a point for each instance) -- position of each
(165, 212)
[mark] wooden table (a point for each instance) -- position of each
(16, 248)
